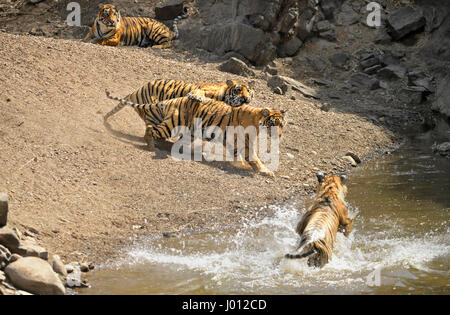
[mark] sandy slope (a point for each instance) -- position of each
(90, 191)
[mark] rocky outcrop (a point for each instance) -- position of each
(27, 268)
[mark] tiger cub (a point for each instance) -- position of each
(111, 29)
(161, 118)
(232, 92)
(319, 225)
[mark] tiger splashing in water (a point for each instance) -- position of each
(319, 225)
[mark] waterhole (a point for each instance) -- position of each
(400, 242)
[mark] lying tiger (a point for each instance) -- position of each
(161, 118)
(111, 29)
(232, 92)
(319, 225)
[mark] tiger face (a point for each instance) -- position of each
(238, 93)
(331, 183)
(108, 15)
(273, 118)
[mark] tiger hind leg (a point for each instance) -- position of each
(149, 138)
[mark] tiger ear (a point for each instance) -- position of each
(229, 83)
(343, 178)
(320, 177)
(265, 112)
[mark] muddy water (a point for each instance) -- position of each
(400, 243)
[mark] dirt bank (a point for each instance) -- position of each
(90, 191)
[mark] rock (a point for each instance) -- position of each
(169, 10)
(14, 257)
(441, 102)
(73, 279)
(329, 35)
(330, 8)
(285, 84)
(8, 238)
(290, 156)
(34, 275)
(382, 37)
(340, 59)
(362, 80)
(27, 249)
(392, 72)
(236, 66)
(2, 276)
(58, 266)
(370, 62)
(419, 78)
(250, 42)
(323, 26)
(316, 63)
(84, 267)
(442, 149)
(290, 47)
(411, 95)
(404, 21)
(437, 46)
(347, 16)
(278, 91)
(3, 209)
(354, 157)
(388, 59)
(372, 70)
(350, 160)
(5, 256)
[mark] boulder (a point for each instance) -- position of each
(236, 66)
(285, 84)
(442, 99)
(330, 8)
(290, 47)
(250, 42)
(411, 95)
(404, 21)
(347, 16)
(58, 266)
(339, 59)
(169, 9)
(3, 209)
(9, 238)
(34, 275)
(27, 249)
(419, 78)
(392, 72)
(362, 80)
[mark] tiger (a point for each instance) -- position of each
(319, 225)
(162, 117)
(233, 93)
(111, 29)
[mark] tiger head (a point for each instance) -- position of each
(330, 185)
(108, 15)
(273, 118)
(238, 93)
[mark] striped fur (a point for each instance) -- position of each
(319, 225)
(161, 118)
(111, 29)
(232, 92)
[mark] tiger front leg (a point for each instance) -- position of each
(113, 41)
(256, 163)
